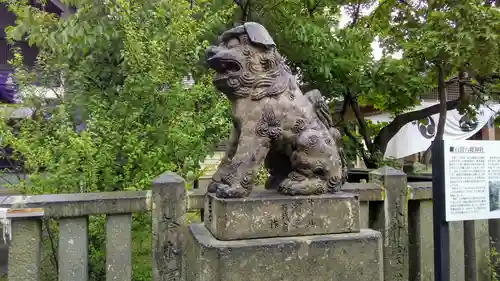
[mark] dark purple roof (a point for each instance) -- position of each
(7, 92)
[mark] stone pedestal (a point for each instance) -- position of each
(272, 237)
(334, 257)
(267, 214)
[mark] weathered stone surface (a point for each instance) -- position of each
(168, 214)
(119, 247)
(457, 250)
(367, 191)
(196, 199)
(364, 214)
(73, 249)
(25, 250)
(482, 242)
(274, 124)
(204, 181)
(344, 257)
(392, 221)
(269, 214)
(82, 204)
(420, 190)
(421, 255)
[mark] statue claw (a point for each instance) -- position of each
(214, 186)
(232, 192)
(294, 187)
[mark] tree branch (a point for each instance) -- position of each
(55, 262)
(461, 88)
(311, 11)
(246, 11)
(399, 121)
(359, 146)
(356, 15)
(261, 12)
(363, 127)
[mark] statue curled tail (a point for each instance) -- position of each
(323, 113)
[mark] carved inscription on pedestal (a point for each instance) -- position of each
(295, 215)
(281, 216)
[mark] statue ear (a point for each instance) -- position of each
(258, 34)
(231, 33)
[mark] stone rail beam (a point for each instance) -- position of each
(22, 219)
(400, 210)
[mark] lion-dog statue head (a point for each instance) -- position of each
(247, 64)
(273, 122)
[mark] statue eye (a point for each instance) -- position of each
(233, 42)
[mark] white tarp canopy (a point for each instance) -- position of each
(417, 136)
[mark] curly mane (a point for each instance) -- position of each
(265, 75)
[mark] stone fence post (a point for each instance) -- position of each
(168, 214)
(24, 234)
(392, 221)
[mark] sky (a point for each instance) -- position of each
(376, 49)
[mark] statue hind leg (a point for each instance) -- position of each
(305, 178)
(317, 166)
(298, 184)
(323, 114)
(310, 182)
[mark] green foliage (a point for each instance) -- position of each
(353, 148)
(395, 86)
(123, 74)
(497, 121)
(338, 60)
(121, 66)
(451, 36)
(329, 58)
(261, 177)
(493, 261)
(455, 36)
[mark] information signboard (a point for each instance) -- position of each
(472, 179)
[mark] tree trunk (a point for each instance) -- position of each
(370, 159)
(426, 157)
(363, 127)
(339, 120)
(442, 103)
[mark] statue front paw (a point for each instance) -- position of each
(213, 186)
(232, 192)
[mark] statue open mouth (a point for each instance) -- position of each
(225, 68)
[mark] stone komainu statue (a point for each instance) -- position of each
(273, 122)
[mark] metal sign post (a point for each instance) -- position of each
(440, 225)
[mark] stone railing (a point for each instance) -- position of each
(401, 211)
(22, 220)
